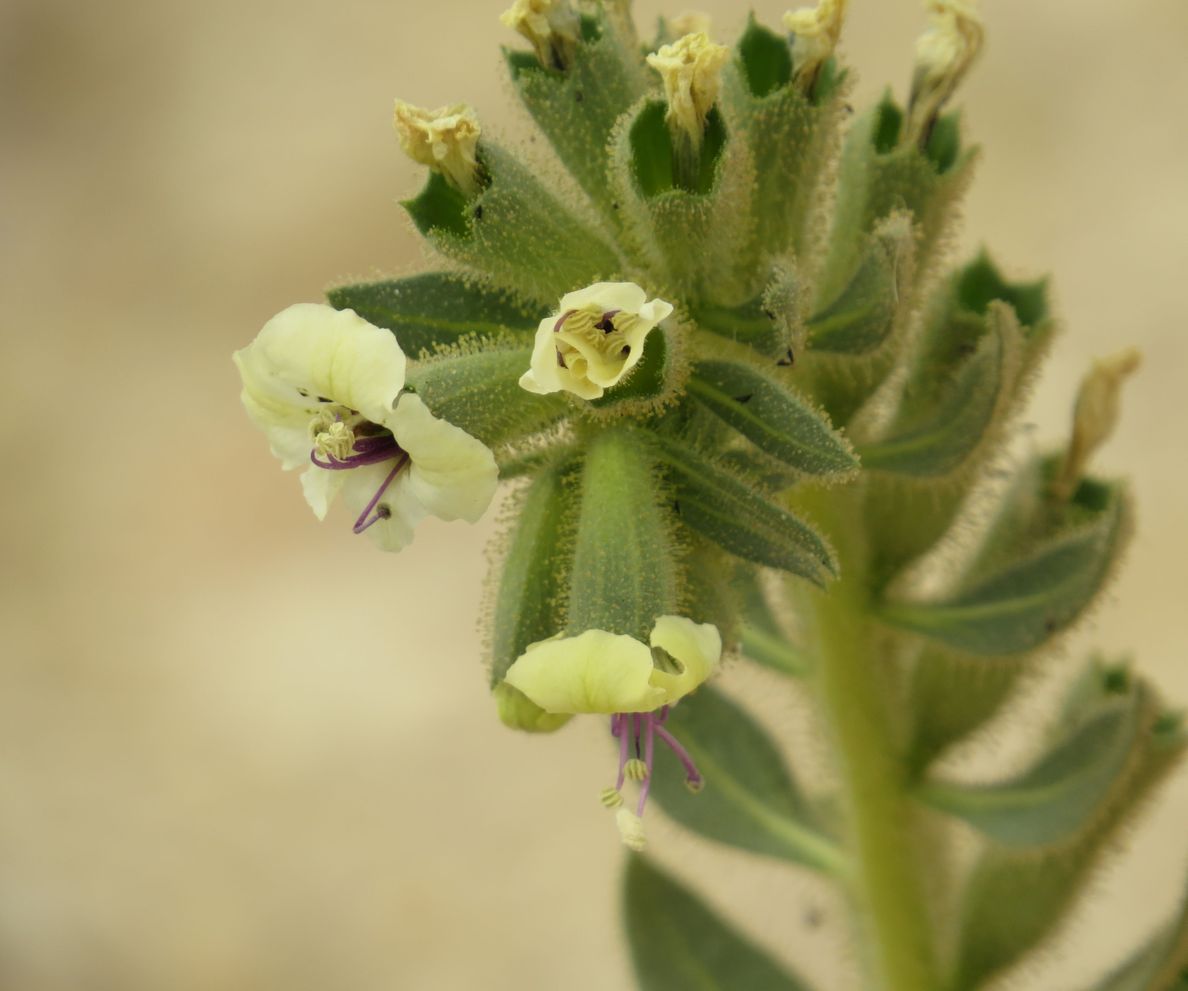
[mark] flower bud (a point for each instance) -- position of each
(445, 139)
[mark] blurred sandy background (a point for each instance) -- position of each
(240, 750)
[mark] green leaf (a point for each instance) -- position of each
(515, 231)
(773, 417)
(624, 572)
(963, 419)
(861, 317)
(726, 510)
(535, 567)
(437, 308)
(1028, 597)
(576, 109)
(854, 341)
(1061, 794)
(677, 942)
(750, 799)
(475, 386)
(1016, 900)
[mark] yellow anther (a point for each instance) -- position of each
(612, 798)
(331, 435)
(445, 139)
(695, 785)
(636, 769)
(1095, 416)
(631, 830)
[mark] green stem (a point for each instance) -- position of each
(887, 887)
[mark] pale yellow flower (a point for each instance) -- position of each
(597, 671)
(552, 26)
(596, 338)
(691, 70)
(816, 31)
(445, 139)
(326, 387)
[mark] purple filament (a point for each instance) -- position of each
(628, 728)
(649, 755)
(362, 523)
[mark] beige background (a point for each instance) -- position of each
(242, 750)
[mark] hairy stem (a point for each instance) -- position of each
(887, 888)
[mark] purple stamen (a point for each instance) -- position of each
(649, 754)
(691, 773)
(623, 744)
(561, 320)
(383, 512)
(390, 449)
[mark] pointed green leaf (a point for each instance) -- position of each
(964, 416)
(769, 322)
(624, 572)
(475, 385)
(514, 230)
(677, 942)
(437, 309)
(764, 57)
(750, 800)
(1060, 794)
(576, 108)
(1015, 900)
(773, 417)
(1025, 600)
(861, 317)
(726, 510)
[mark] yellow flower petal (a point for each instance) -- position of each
(575, 352)
(697, 647)
(445, 139)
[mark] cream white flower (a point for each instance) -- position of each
(691, 70)
(816, 31)
(596, 338)
(944, 54)
(445, 139)
(326, 387)
(552, 26)
(636, 684)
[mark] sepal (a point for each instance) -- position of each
(514, 230)
(576, 108)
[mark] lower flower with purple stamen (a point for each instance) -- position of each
(635, 683)
(327, 387)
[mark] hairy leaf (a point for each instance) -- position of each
(679, 942)
(772, 417)
(725, 509)
(750, 799)
(437, 309)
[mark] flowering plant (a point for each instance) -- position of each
(739, 398)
